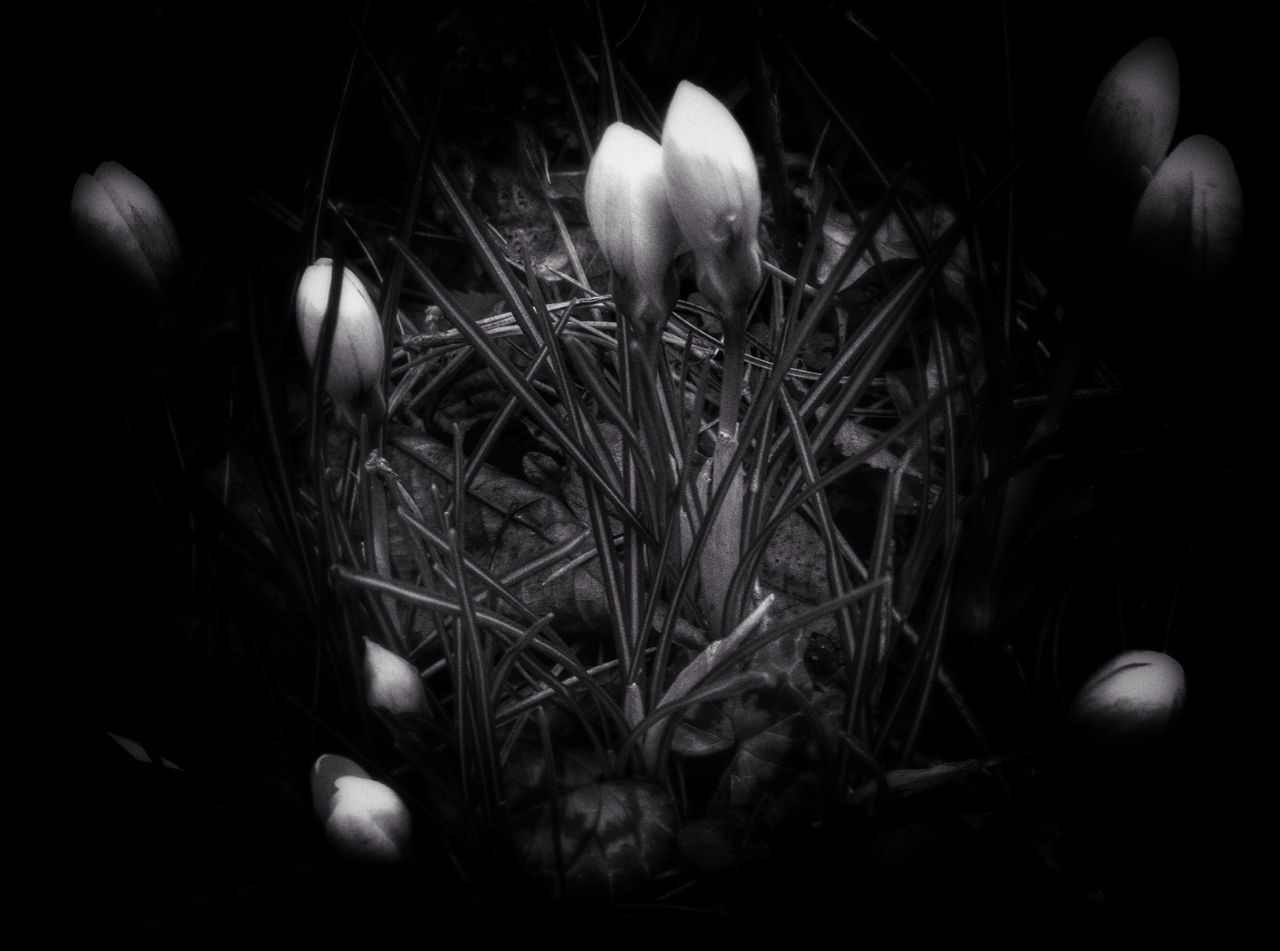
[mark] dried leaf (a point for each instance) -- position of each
(852, 437)
(613, 837)
(544, 473)
(524, 774)
(704, 730)
(763, 761)
(893, 243)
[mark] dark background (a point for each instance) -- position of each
(212, 102)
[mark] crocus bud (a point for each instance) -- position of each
(1130, 123)
(326, 772)
(714, 189)
(355, 360)
(627, 206)
(364, 819)
(1129, 700)
(392, 682)
(1190, 217)
(122, 224)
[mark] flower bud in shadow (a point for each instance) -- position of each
(354, 378)
(122, 225)
(1190, 217)
(714, 189)
(627, 206)
(1130, 122)
(392, 683)
(1129, 701)
(364, 819)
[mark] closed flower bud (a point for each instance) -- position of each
(355, 360)
(326, 772)
(1130, 700)
(627, 206)
(714, 189)
(121, 222)
(1190, 217)
(364, 819)
(392, 682)
(1130, 123)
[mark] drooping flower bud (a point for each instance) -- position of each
(714, 189)
(1130, 700)
(1130, 122)
(1190, 217)
(354, 379)
(121, 222)
(364, 819)
(631, 219)
(393, 684)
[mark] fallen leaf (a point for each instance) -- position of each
(893, 243)
(763, 761)
(524, 774)
(613, 837)
(704, 730)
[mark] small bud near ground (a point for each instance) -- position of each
(627, 206)
(1130, 700)
(328, 769)
(714, 189)
(392, 683)
(366, 820)
(354, 378)
(122, 224)
(1130, 122)
(1190, 218)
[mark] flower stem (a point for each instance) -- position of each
(724, 544)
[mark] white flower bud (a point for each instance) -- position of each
(326, 772)
(393, 684)
(627, 206)
(1130, 700)
(714, 189)
(1130, 123)
(355, 360)
(364, 819)
(121, 222)
(369, 822)
(1190, 217)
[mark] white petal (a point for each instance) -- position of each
(108, 236)
(326, 772)
(1131, 120)
(356, 358)
(368, 822)
(392, 682)
(140, 207)
(712, 180)
(627, 206)
(714, 190)
(1191, 215)
(1130, 698)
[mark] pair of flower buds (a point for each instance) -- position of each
(1190, 212)
(699, 189)
(366, 820)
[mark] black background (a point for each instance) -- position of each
(209, 101)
